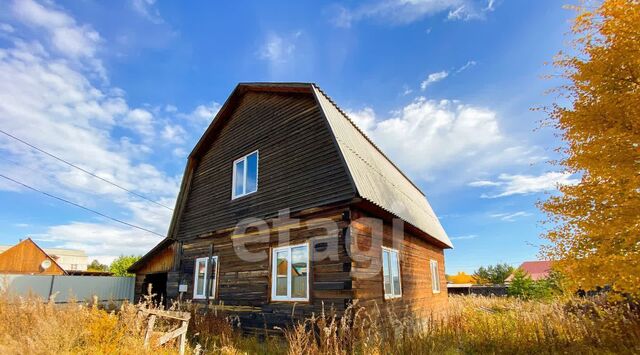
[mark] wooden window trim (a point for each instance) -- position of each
(244, 177)
(391, 296)
(274, 270)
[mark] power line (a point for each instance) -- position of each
(22, 166)
(83, 170)
(80, 206)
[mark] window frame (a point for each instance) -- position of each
(274, 274)
(435, 276)
(244, 176)
(392, 295)
(203, 296)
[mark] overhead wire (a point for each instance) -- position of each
(80, 206)
(83, 170)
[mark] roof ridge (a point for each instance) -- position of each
(367, 138)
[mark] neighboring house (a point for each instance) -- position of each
(70, 260)
(462, 278)
(276, 146)
(538, 270)
(27, 257)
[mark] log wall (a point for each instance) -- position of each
(415, 272)
(246, 286)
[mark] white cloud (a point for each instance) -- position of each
(65, 35)
(341, 17)
(179, 152)
(526, 184)
(408, 11)
(465, 237)
(278, 48)
(202, 114)
(406, 90)
(481, 183)
(140, 120)
(147, 9)
(365, 119)
(174, 133)
(510, 216)
(467, 65)
(101, 240)
(52, 102)
(433, 78)
(426, 136)
(5, 27)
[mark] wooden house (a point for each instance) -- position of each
(356, 229)
(27, 257)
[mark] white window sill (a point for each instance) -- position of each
(391, 297)
(233, 198)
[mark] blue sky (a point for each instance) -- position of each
(124, 89)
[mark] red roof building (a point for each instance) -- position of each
(538, 270)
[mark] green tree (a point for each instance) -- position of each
(595, 224)
(522, 286)
(119, 266)
(493, 274)
(97, 266)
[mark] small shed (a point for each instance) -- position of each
(28, 258)
(153, 270)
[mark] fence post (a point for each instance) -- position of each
(51, 287)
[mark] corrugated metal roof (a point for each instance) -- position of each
(376, 178)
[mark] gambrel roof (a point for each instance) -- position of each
(375, 178)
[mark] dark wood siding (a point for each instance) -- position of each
(244, 287)
(299, 164)
(415, 272)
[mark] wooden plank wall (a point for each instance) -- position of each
(415, 273)
(26, 258)
(247, 284)
(299, 165)
(162, 261)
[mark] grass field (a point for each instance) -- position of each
(471, 325)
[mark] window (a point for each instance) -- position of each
(245, 175)
(391, 273)
(200, 279)
(435, 277)
(290, 273)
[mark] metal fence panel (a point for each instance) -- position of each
(67, 287)
(25, 285)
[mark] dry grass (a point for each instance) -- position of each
(472, 325)
(30, 326)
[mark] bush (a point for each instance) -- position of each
(522, 286)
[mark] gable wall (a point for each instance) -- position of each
(25, 258)
(299, 165)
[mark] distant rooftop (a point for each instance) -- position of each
(538, 269)
(53, 251)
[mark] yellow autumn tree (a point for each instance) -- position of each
(594, 226)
